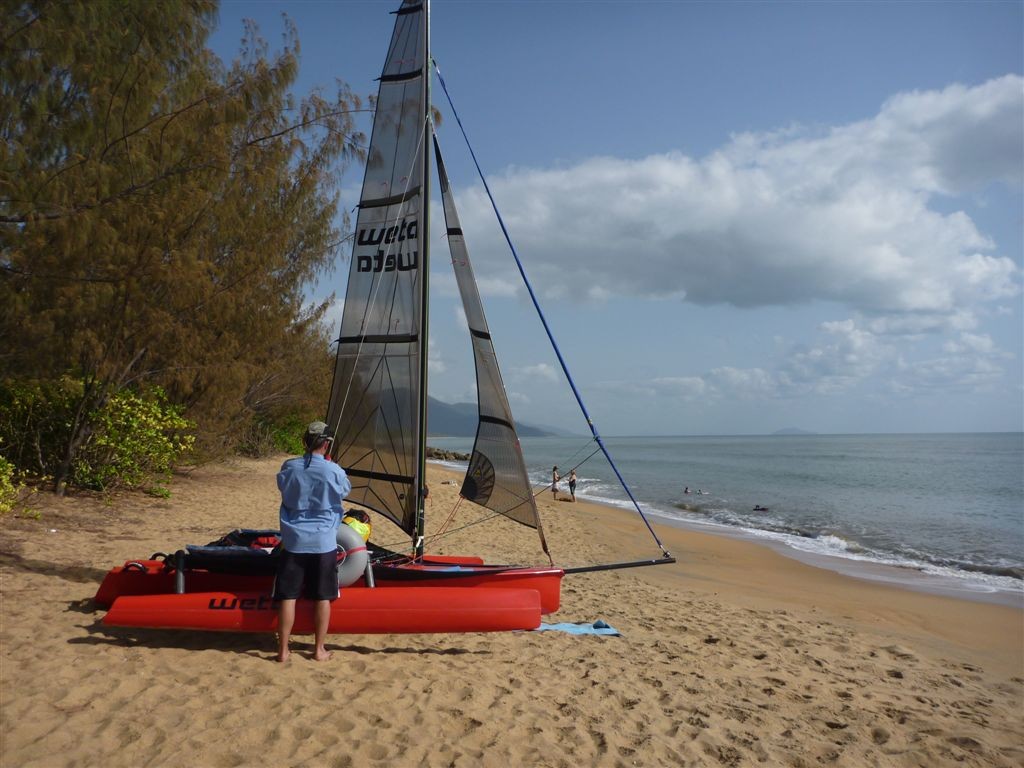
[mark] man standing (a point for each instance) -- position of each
(312, 488)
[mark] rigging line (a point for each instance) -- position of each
(469, 525)
(579, 451)
(444, 526)
(392, 554)
(544, 488)
(481, 521)
(543, 319)
(593, 453)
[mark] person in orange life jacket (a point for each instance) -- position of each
(312, 489)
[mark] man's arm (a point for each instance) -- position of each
(342, 483)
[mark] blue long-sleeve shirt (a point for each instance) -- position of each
(312, 489)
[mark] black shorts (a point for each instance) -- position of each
(313, 576)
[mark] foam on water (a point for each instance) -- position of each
(829, 546)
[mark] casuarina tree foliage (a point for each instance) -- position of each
(161, 213)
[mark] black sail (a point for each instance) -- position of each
(374, 403)
(497, 477)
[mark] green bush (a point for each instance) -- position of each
(8, 487)
(266, 435)
(136, 442)
(134, 439)
(35, 420)
(287, 432)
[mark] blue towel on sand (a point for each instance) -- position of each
(597, 628)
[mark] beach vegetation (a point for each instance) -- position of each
(9, 487)
(268, 435)
(161, 215)
(134, 442)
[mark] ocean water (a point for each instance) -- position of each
(944, 507)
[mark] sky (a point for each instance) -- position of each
(739, 217)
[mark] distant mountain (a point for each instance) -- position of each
(459, 420)
(793, 431)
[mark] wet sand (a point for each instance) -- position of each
(733, 656)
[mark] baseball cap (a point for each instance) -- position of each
(318, 430)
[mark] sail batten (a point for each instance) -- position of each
(388, 201)
(394, 338)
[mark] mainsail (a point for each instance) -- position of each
(497, 476)
(375, 410)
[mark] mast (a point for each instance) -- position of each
(421, 449)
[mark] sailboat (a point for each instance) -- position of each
(377, 413)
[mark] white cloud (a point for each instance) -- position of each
(685, 387)
(435, 360)
(541, 371)
(846, 356)
(791, 217)
(912, 324)
(970, 342)
(501, 286)
(518, 398)
(961, 368)
(743, 383)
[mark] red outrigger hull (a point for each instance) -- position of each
(403, 610)
(152, 577)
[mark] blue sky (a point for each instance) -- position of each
(739, 217)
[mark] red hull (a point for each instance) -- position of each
(401, 610)
(150, 577)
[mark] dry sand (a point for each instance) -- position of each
(734, 656)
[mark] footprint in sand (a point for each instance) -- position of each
(900, 653)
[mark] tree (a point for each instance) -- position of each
(160, 213)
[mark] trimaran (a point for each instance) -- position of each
(377, 412)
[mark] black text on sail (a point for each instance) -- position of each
(401, 241)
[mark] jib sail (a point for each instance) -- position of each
(497, 477)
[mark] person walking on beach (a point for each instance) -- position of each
(312, 489)
(554, 482)
(572, 484)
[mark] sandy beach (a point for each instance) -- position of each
(734, 656)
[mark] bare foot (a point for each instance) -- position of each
(324, 655)
(282, 656)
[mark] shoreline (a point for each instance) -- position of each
(910, 576)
